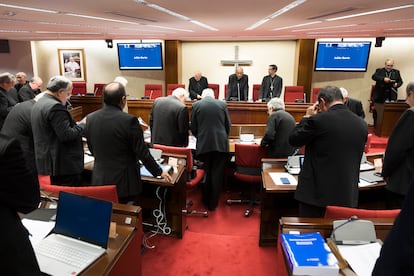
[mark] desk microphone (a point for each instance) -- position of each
(150, 96)
(350, 219)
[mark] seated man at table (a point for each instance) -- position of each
(116, 141)
(279, 125)
(238, 86)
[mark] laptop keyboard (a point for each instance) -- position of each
(64, 253)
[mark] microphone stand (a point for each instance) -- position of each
(352, 218)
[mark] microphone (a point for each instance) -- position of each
(150, 96)
(350, 219)
(238, 91)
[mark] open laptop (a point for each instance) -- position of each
(79, 238)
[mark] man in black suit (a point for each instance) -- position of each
(19, 192)
(271, 85)
(196, 86)
(116, 141)
(353, 104)
(30, 90)
(398, 166)
(18, 125)
(335, 140)
(387, 81)
(210, 124)
(57, 137)
(238, 86)
(169, 122)
(279, 125)
(6, 102)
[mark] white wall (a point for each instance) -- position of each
(207, 56)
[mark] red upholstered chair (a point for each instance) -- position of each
(153, 91)
(315, 92)
(346, 212)
(216, 89)
(226, 88)
(248, 160)
(256, 91)
(171, 87)
(106, 192)
(79, 88)
(98, 89)
(192, 180)
(294, 94)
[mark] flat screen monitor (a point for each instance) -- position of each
(140, 56)
(342, 56)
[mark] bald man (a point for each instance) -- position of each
(197, 84)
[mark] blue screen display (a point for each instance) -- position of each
(140, 56)
(342, 56)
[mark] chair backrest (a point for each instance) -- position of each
(293, 94)
(79, 88)
(153, 91)
(98, 89)
(248, 158)
(171, 87)
(105, 192)
(256, 91)
(315, 92)
(347, 212)
(216, 89)
(226, 89)
(178, 150)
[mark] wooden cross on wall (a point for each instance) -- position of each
(236, 61)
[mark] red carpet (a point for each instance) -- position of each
(225, 243)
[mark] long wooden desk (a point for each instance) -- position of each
(175, 201)
(324, 226)
(240, 112)
(123, 254)
(278, 200)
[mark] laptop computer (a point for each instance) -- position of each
(79, 238)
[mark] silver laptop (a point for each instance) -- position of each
(79, 238)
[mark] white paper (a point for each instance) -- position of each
(38, 229)
(277, 175)
(87, 158)
(363, 183)
(361, 258)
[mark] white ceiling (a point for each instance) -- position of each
(228, 19)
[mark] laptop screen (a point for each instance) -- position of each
(83, 218)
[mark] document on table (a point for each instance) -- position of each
(361, 258)
(38, 229)
(280, 178)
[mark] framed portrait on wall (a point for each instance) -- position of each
(72, 64)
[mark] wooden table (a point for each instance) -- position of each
(324, 226)
(278, 200)
(175, 201)
(123, 254)
(392, 112)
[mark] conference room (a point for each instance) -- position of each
(36, 39)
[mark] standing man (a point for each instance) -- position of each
(57, 138)
(169, 122)
(398, 166)
(197, 84)
(353, 104)
(238, 86)
(210, 124)
(116, 141)
(21, 80)
(19, 192)
(6, 102)
(334, 138)
(387, 80)
(30, 90)
(279, 125)
(271, 85)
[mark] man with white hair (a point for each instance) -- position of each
(169, 120)
(353, 104)
(279, 125)
(210, 124)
